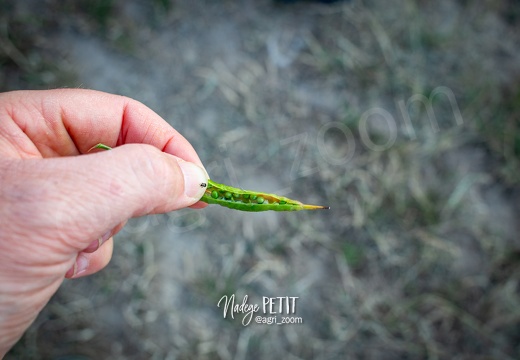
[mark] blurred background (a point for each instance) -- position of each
(402, 115)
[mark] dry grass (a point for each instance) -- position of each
(419, 256)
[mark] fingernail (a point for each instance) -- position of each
(81, 265)
(195, 179)
(105, 237)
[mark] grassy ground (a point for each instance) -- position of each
(401, 115)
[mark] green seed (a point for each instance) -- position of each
(253, 197)
(214, 194)
(245, 196)
(236, 195)
(282, 202)
(227, 195)
(260, 200)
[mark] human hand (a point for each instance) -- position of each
(60, 207)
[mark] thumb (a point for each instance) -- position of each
(78, 199)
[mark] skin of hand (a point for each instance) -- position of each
(60, 204)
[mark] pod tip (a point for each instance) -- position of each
(316, 207)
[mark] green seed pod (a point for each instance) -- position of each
(245, 200)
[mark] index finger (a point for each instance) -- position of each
(68, 122)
